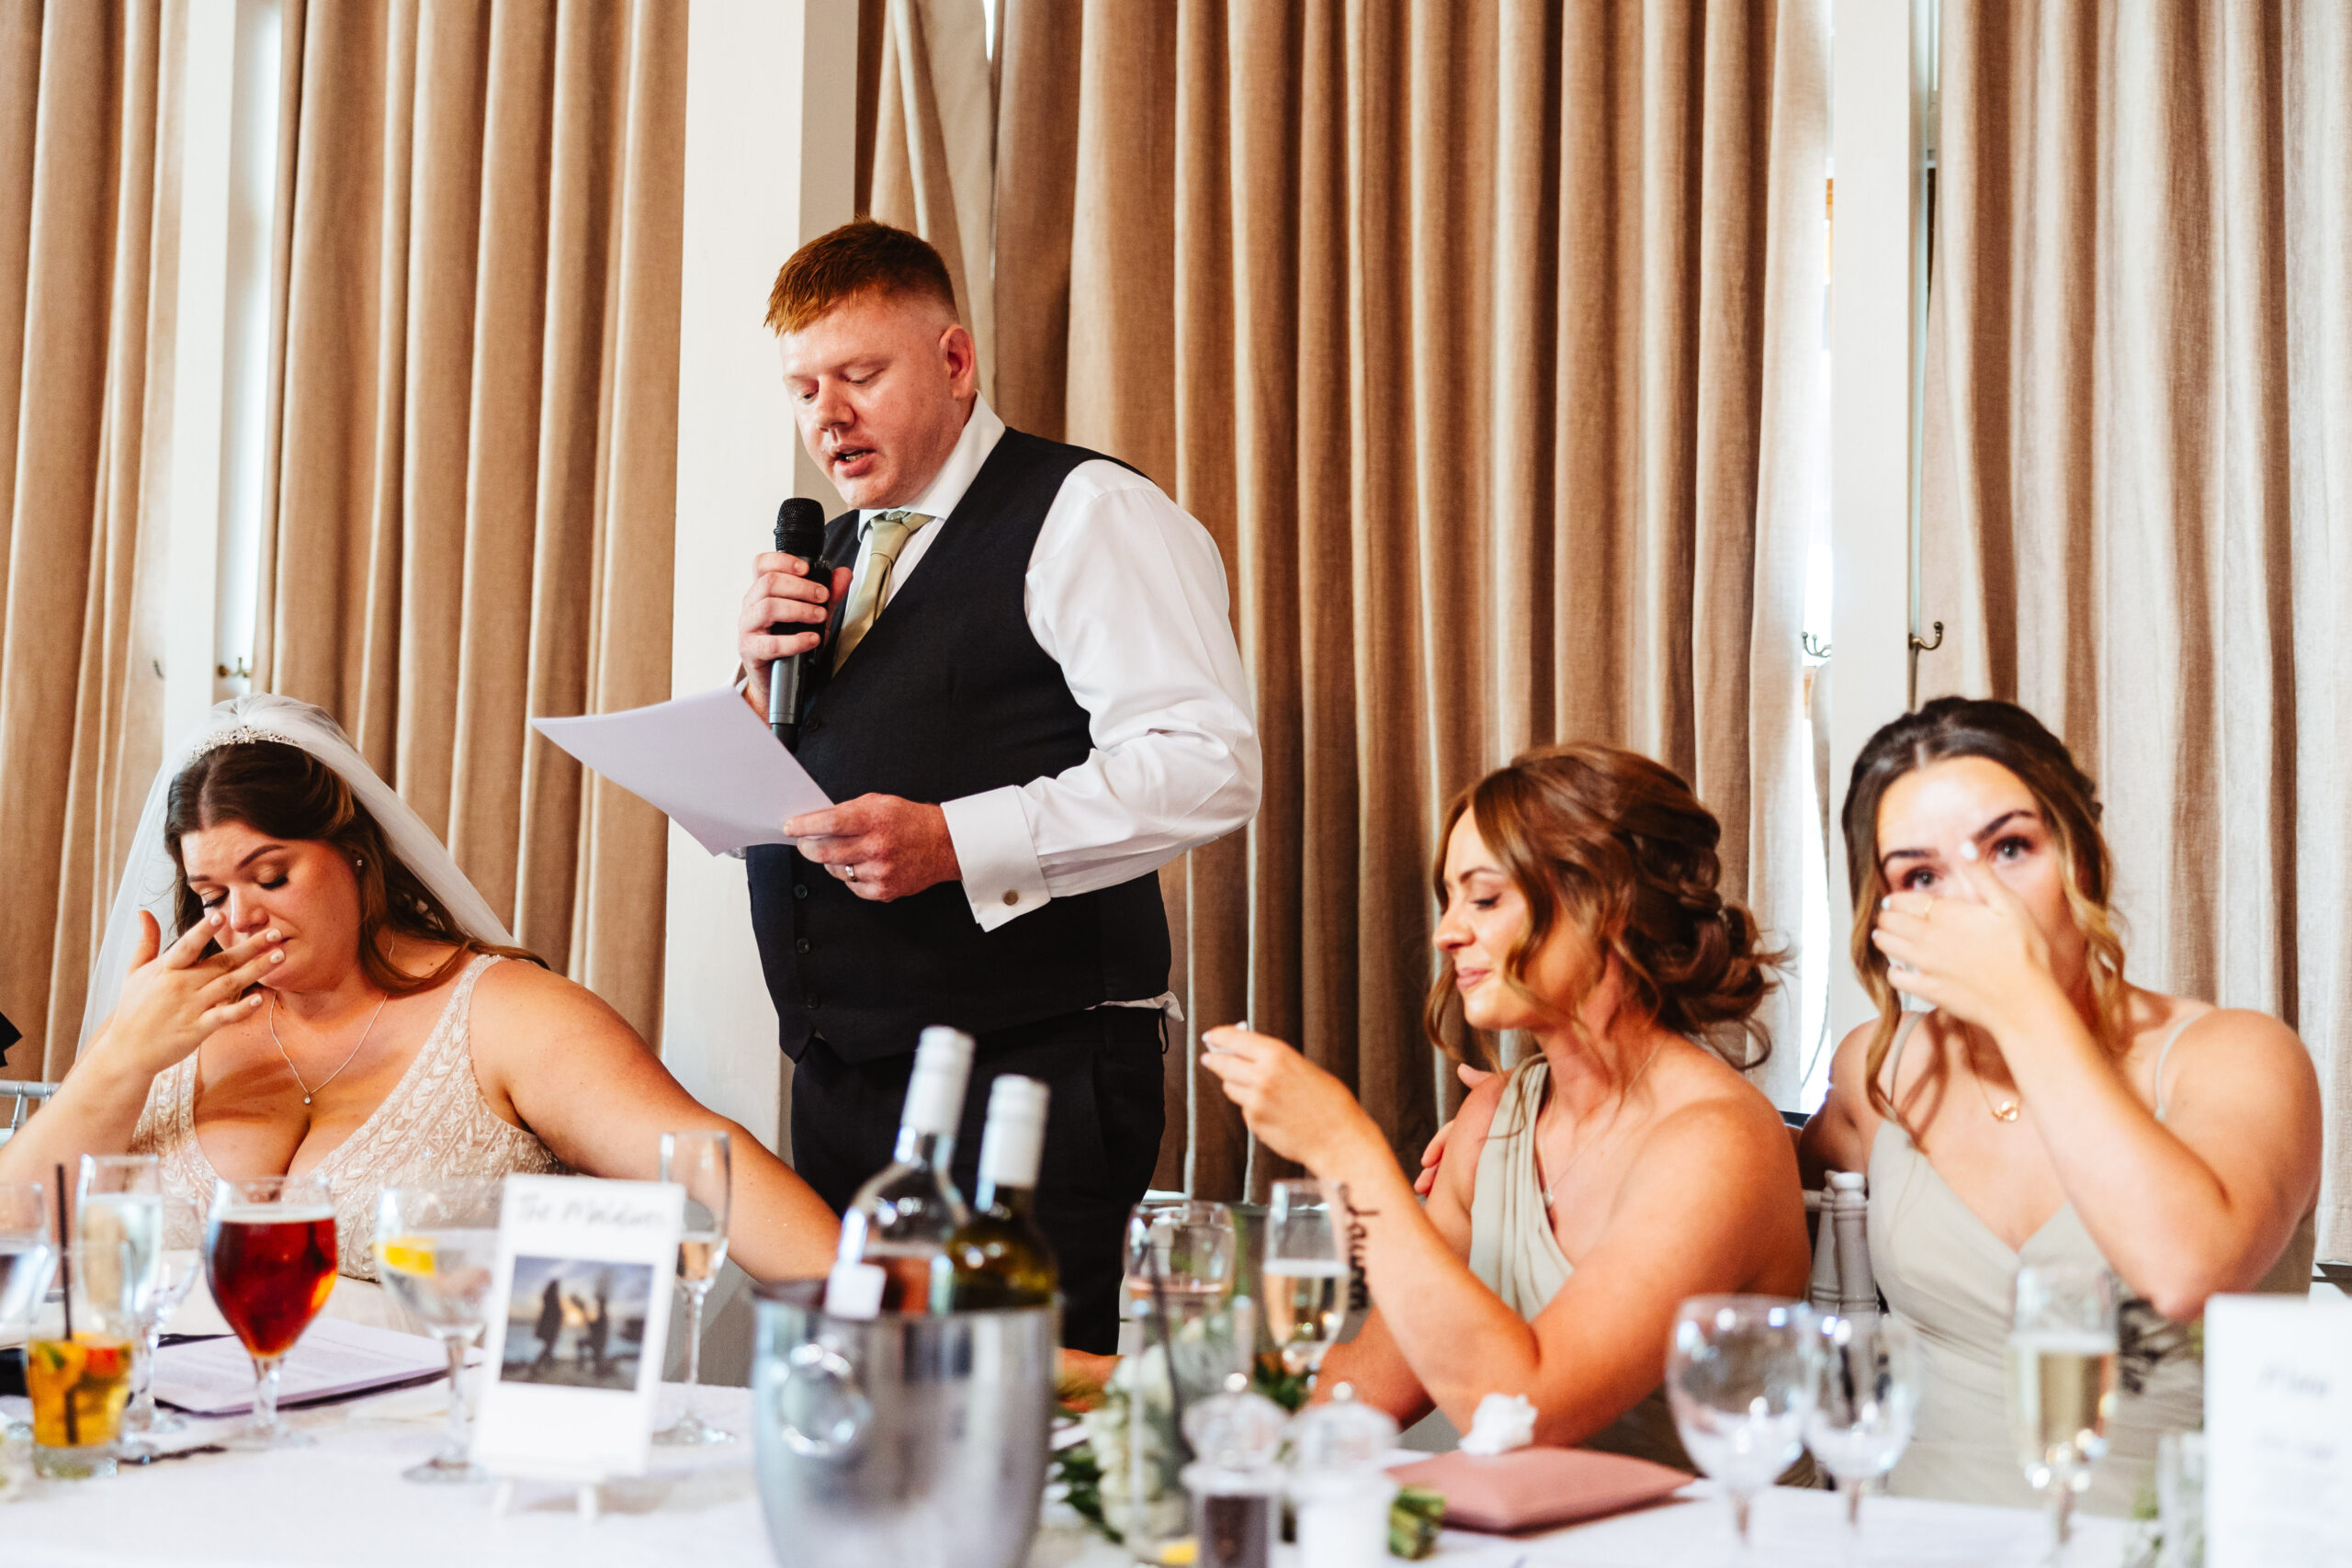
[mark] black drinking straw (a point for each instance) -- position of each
(66, 1275)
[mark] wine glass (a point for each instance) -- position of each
(701, 1162)
(118, 1247)
(1863, 1408)
(1304, 1275)
(176, 1271)
(1739, 1374)
(27, 1260)
(270, 1256)
(436, 1247)
(2062, 1382)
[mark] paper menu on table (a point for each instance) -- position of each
(706, 761)
(215, 1377)
(2278, 1432)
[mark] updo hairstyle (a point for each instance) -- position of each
(1615, 846)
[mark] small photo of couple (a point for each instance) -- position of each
(577, 1323)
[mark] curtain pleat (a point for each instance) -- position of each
(2138, 507)
(476, 455)
(1485, 340)
(88, 256)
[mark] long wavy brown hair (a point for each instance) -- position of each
(1615, 846)
(284, 791)
(2006, 734)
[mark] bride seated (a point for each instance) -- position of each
(325, 994)
(1624, 1165)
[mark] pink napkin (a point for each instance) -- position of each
(1530, 1488)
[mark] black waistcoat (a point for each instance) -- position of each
(947, 696)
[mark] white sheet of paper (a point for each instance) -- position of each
(215, 1377)
(705, 761)
(2278, 1432)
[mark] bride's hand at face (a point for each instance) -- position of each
(1296, 1108)
(175, 996)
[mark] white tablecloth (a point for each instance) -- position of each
(343, 1503)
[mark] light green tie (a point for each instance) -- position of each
(886, 536)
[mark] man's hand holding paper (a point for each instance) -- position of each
(882, 847)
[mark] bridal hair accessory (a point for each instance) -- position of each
(237, 735)
(150, 882)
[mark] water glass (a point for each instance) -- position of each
(701, 1163)
(436, 1248)
(2180, 1500)
(1186, 1334)
(26, 1259)
(1740, 1375)
(2061, 1382)
(117, 1251)
(1304, 1277)
(176, 1272)
(1864, 1405)
(269, 1256)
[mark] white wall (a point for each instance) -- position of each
(771, 114)
(1874, 346)
(227, 181)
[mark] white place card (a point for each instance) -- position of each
(2277, 1433)
(579, 1319)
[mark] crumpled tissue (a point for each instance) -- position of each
(1501, 1423)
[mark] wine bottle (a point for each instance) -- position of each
(893, 1255)
(999, 1257)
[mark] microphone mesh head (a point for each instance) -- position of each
(800, 528)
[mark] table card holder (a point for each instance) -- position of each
(579, 1321)
(2278, 1432)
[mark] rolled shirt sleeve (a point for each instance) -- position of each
(1125, 591)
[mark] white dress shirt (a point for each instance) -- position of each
(1126, 592)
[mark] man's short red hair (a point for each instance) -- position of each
(859, 257)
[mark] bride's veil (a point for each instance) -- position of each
(148, 879)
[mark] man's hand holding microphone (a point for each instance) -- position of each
(882, 846)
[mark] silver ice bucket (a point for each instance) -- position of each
(903, 1440)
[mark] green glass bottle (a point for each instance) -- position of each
(1001, 1257)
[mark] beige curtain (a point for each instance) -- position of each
(473, 431)
(1485, 338)
(88, 258)
(2138, 467)
(933, 147)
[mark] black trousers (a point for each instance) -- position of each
(1103, 1128)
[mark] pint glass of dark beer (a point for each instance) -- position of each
(270, 1256)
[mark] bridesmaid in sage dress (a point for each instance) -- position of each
(2045, 1110)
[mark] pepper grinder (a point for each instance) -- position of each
(1236, 1483)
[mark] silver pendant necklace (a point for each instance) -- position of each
(308, 1092)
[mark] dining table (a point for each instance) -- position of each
(340, 1503)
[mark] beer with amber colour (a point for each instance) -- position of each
(271, 1266)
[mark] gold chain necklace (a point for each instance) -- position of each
(307, 1090)
(1580, 1147)
(2005, 1111)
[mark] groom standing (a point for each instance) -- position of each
(1032, 702)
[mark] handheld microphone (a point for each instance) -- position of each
(799, 531)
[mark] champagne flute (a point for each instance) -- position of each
(2062, 1382)
(118, 1243)
(1304, 1275)
(701, 1162)
(436, 1247)
(270, 1256)
(1862, 1410)
(1740, 1373)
